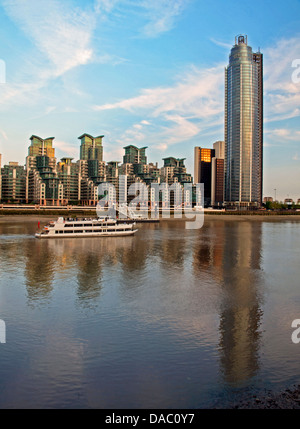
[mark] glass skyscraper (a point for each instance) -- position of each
(243, 125)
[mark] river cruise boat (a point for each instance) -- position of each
(84, 227)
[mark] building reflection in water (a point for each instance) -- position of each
(39, 270)
(226, 256)
(230, 254)
(241, 314)
(79, 261)
(172, 249)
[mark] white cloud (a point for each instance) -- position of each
(61, 35)
(154, 17)
(198, 94)
(105, 6)
(61, 32)
(66, 149)
(282, 95)
(162, 15)
(283, 134)
(193, 103)
(227, 46)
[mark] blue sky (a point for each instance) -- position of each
(148, 73)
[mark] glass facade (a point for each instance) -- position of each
(243, 125)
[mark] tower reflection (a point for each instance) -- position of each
(241, 314)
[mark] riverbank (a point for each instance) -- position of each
(287, 399)
(45, 217)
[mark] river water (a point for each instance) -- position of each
(168, 318)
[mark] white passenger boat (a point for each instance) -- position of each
(83, 227)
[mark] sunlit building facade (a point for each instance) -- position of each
(13, 183)
(203, 170)
(243, 125)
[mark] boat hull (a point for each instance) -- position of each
(86, 235)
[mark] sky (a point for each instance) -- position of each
(147, 73)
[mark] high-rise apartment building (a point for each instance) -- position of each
(68, 174)
(217, 175)
(42, 183)
(243, 125)
(13, 183)
(135, 155)
(202, 170)
(91, 147)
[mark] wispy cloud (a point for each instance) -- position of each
(283, 134)
(198, 94)
(66, 149)
(162, 15)
(282, 95)
(155, 17)
(61, 32)
(227, 46)
(193, 104)
(61, 36)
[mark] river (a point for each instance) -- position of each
(168, 318)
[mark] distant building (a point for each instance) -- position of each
(68, 174)
(268, 199)
(42, 182)
(41, 147)
(217, 175)
(174, 170)
(48, 182)
(219, 148)
(91, 147)
(135, 155)
(289, 201)
(203, 171)
(13, 183)
(217, 182)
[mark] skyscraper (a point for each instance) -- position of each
(243, 125)
(202, 170)
(217, 175)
